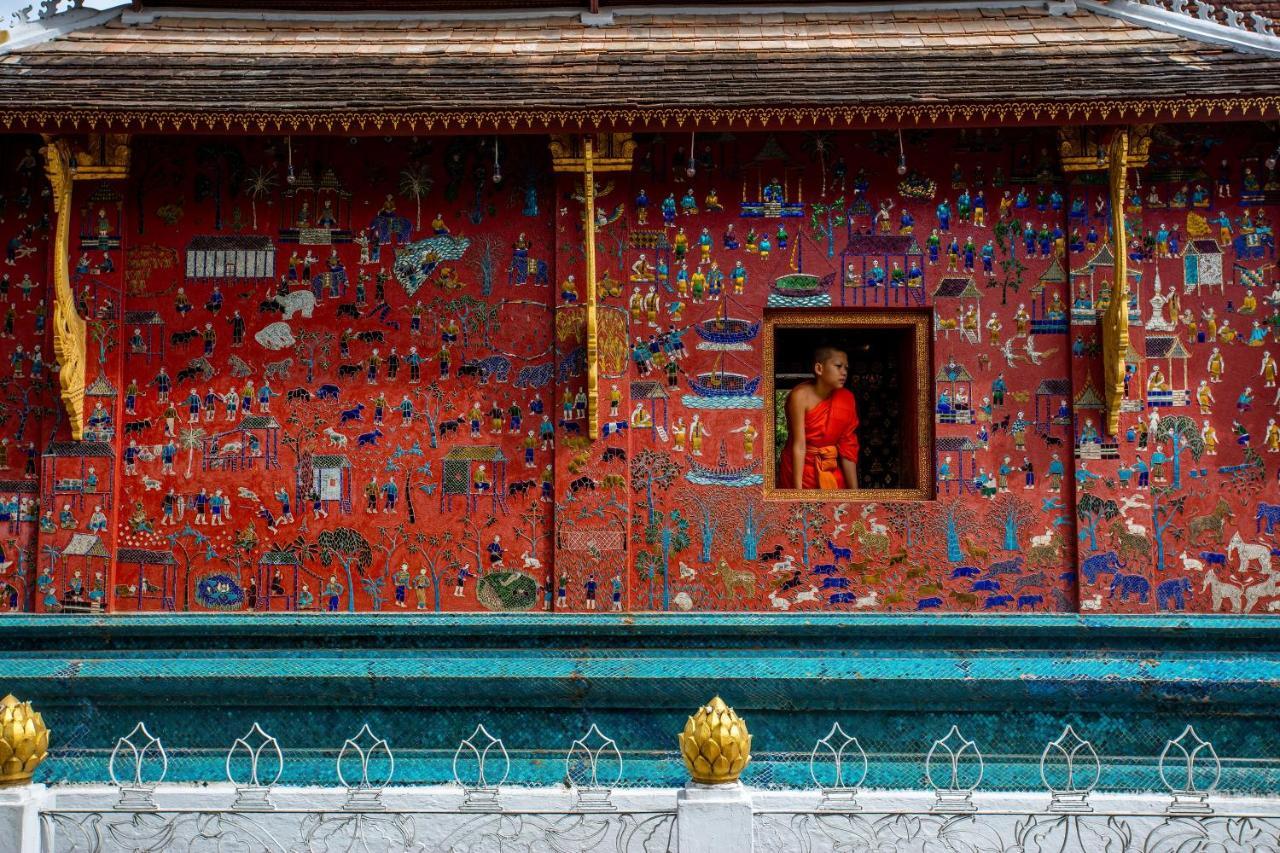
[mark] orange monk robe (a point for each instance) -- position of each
(830, 433)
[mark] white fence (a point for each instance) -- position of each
(592, 811)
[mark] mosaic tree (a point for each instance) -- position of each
(432, 398)
(103, 330)
(1011, 268)
(415, 184)
(226, 164)
(1012, 515)
(531, 529)
(394, 464)
(906, 519)
(237, 557)
(178, 542)
(312, 349)
(350, 549)
(706, 506)
(806, 522)
(826, 220)
(475, 317)
(755, 526)
(1164, 509)
(438, 557)
(390, 541)
(953, 518)
(484, 260)
(305, 427)
(191, 439)
(1183, 433)
(670, 532)
(819, 145)
(1092, 510)
(650, 470)
(473, 539)
(258, 186)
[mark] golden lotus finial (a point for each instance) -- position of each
(715, 744)
(24, 741)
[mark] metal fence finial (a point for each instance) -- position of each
(593, 766)
(137, 793)
(366, 793)
(252, 793)
(955, 755)
(844, 750)
(1195, 773)
(1074, 764)
(480, 792)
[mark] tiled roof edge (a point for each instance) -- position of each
(53, 23)
(1247, 33)
(26, 33)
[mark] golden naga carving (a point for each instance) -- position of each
(586, 155)
(104, 157)
(715, 744)
(1088, 149)
(24, 741)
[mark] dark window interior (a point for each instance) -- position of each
(882, 378)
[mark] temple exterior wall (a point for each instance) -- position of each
(363, 389)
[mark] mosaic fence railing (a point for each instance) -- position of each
(593, 810)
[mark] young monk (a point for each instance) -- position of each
(822, 419)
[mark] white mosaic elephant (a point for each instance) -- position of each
(297, 301)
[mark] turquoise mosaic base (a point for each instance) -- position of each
(424, 681)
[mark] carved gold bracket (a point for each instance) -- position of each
(586, 155)
(1085, 149)
(100, 157)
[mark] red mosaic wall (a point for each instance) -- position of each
(1180, 509)
(285, 319)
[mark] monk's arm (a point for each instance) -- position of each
(849, 468)
(849, 448)
(795, 434)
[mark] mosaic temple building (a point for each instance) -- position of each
(422, 364)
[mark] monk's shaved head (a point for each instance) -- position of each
(823, 353)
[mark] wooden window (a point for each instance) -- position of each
(889, 373)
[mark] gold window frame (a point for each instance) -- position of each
(919, 322)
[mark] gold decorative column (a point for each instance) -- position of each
(586, 155)
(1083, 150)
(102, 157)
(715, 744)
(24, 741)
(1115, 322)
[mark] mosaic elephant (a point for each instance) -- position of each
(534, 375)
(389, 225)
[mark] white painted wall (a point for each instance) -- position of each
(722, 819)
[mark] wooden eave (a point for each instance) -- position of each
(218, 72)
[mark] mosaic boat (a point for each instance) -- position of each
(722, 384)
(798, 285)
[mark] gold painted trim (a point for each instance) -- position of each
(920, 323)
(579, 156)
(1115, 322)
(544, 120)
(593, 308)
(105, 157)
